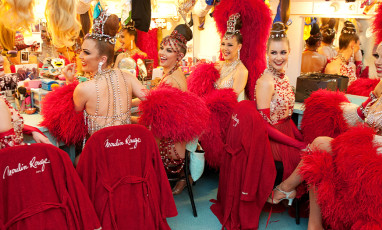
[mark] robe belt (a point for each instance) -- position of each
(124, 180)
(36, 209)
(232, 151)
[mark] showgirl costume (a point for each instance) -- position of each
(346, 69)
(226, 78)
(348, 179)
(282, 132)
(14, 136)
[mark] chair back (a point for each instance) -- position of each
(122, 171)
(40, 189)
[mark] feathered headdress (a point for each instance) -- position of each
(98, 27)
(256, 19)
(377, 25)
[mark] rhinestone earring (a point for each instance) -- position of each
(267, 62)
(131, 44)
(238, 54)
(100, 64)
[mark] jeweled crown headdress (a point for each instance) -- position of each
(231, 26)
(278, 33)
(97, 32)
(177, 38)
(348, 30)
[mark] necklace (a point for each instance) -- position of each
(171, 71)
(227, 68)
(165, 147)
(102, 73)
(342, 58)
(275, 72)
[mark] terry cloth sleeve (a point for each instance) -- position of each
(86, 169)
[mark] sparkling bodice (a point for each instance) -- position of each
(12, 137)
(347, 70)
(127, 63)
(227, 79)
(282, 102)
(374, 115)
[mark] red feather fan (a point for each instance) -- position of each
(202, 79)
(377, 24)
(221, 104)
(256, 20)
(60, 118)
(148, 43)
(362, 86)
(348, 181)
(323, 115)
(171, 113)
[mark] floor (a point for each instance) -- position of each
(206, 189)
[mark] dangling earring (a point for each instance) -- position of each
(131, 44)
(267, 62)
(352, 56)
(238, 54)
(100, 64)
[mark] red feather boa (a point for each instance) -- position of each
(221, 104)
(377, 25)
(202, 79)
(148, 43)
(323, 115)
(362, 86)
(348, 181)
(60, 118)
(256, 20)
(171, 113)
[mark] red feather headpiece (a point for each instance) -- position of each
(256, 20)
(377, 25)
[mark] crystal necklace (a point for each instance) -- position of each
(170, 72)
(275, 72)
(227, 68)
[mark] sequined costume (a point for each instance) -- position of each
(347, 70)
(95, 121)
(226, 79)
(14, 136)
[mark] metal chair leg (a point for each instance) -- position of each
(297, 207)
(189, 188)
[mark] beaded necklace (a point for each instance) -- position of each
(165, 147)
(275, 72)
(170, 72)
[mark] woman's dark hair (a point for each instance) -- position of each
(110, 28)
(130, 29)
(348, 34)
(328, 35)
(238, 26)
(86, 24)
(184, 30)
(315, 36)
(278, 33)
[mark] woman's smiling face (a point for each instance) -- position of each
(278, 53)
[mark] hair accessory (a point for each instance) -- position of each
(231, 26)
(348, 30)
(278, 33)
(97, 32)
(176, 38)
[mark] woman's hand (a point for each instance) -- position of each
(378, 89)
(69, 73)
(39, 138)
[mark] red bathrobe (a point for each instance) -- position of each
(247, 172)
(40, 189)
(123, 173)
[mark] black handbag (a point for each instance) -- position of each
(308, 83)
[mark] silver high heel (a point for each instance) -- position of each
(287, 197)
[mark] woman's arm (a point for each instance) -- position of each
(264, 91)
(137, 88)
(240, 80)
(118, 59)
(5, 117)
(80, 96)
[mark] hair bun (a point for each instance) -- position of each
(184, 30)
(348, 30)
(278, 30)
(111, 25)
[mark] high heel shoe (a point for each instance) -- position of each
(288, 196)
(180, 185)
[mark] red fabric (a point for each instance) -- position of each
(29, 129)
(173, 114)
(202, 79)
(247, 171)
(256, 20)
(348, 181)
(364, 104)
(220, 103)
(60, 118)
(148, 43)
(42, 196)
(323, 115)
(126, 181)
(362, 86)
(377, 25)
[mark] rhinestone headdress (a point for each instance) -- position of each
(97, 32)
(231, 26)
(348, 30)
(278, 33)
(176, 38)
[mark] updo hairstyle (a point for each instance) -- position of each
(348, 34)
(328, 34)
(186, 32)
(129, 28)
(315, 36)
(278, 33)
(237, 34)
(110, 28)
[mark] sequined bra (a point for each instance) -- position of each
(374, 115)
(282, 102)
(113, 86)
(12, 137)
